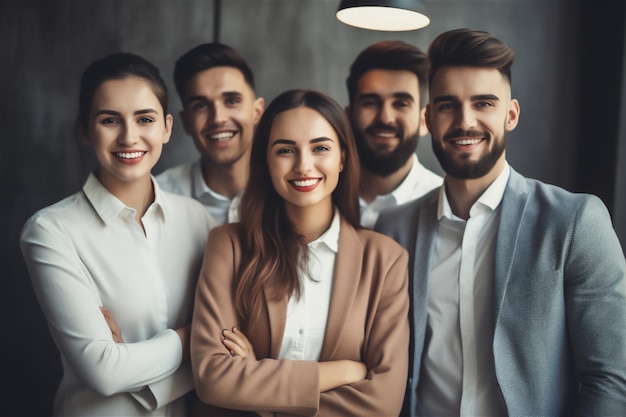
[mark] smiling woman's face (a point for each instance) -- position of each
(127, 130)
(305, 158)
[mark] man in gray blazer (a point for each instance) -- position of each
(518, 287)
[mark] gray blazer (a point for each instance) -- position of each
(559, 299)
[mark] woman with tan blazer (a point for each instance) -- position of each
(298, 310)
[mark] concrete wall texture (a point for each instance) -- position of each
(46, 44)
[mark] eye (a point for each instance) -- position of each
(232, 101)
(198, 105)
(284, 151)
(483, 104)
(321, 148)
(144, 120)
(108, 121)
(446, 106)
(402, 104)
(369, 103)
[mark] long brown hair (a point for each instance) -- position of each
(272, 250)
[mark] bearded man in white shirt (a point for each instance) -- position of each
(518, 288)
(387, 92)
(220, 112)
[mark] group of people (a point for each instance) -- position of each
(309, 264)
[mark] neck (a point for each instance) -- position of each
(373, 185)
(463, 193)
(313, 221)
(138, 194)
(228, 179)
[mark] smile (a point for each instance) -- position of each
(222, 136)
(466, 142)
(305, 185)
(129, 155)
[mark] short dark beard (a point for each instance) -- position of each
(469, 169)
(384, 165)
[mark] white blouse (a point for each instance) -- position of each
(307, 316)
(88, 251)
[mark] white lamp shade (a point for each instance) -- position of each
(383, 15)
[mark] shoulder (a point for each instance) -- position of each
(407, 213)
(58, 215)
(186, 209)
(375, 244)
(177, 178)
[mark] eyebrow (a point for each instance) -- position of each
(116, 113)
(401, 95)
(293, 142)
(224, 94)
(477, 97)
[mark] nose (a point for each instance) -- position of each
(128, 135)
(219, 114)
(303, 163)
(387, 114)
(466, 119)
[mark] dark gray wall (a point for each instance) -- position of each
(45, 45)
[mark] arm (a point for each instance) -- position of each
(70, 300)
(385, 353)
(595, 302)
(332, 374)
(242, 383)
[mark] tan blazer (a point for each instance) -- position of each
(367, 322)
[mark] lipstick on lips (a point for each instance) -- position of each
(305, 184)
(130, 157)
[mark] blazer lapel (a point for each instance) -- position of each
(277, 316)
(344, 288)
(514, 203)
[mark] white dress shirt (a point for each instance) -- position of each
(307, 316)
(88, 251)
(418, 182)
(458, 371)
(187, 180)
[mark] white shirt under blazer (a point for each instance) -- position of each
(88, 251)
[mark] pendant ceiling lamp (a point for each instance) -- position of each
(384, 15)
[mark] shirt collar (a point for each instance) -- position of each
(108, 206)
(490, 198)
(406, 186)
(331, 236)
(201, 190)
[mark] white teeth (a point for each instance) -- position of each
(468, 141)
(223, 136)
(305, 183)
(128, 155)
(386, 135)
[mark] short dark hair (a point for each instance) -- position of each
(390, 55)
(116, 67)
(470, 48)
(204, 57)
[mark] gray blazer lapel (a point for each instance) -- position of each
(514, 203)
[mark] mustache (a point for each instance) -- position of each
(381, 126)
(459, 133)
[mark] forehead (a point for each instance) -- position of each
(127, 93)
(388, 81)
(214, 81)
(301, 124)
(468, 81)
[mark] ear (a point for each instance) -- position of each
(423, 129)
(512, 117)
(169, 122)
(343, 160)
(427, 117)
(259, 108)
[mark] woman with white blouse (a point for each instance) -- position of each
(114, 266)
(298, 310)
